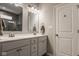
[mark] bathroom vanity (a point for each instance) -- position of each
(20, 19)
(23, 45)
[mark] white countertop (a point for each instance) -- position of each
(5, 38)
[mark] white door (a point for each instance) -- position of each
(66, 17)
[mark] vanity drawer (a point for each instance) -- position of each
(33, 41)
(42, 39)
(43, 44)
(33, 46)
(10, 53)
(34, 50)
(14, 44)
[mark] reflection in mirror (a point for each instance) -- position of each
(12, 16)
(33, 20)
(33, 17)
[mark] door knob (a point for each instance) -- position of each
(56, 34)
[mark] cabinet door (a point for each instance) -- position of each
(42, 45)
(25, 51)
(11, 53)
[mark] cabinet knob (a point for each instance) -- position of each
(57, 35)
(34, 41)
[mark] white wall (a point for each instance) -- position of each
(47, 16)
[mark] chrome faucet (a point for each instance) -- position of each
(11, 34)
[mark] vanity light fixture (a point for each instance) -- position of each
(32, 9)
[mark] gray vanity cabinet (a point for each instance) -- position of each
(42, 45)
(35, 46)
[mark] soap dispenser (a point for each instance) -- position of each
(34, 29)
(42, 29)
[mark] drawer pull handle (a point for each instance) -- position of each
(18, 50)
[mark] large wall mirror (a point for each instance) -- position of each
(12, 16)
(17, 17)
(33, 17)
